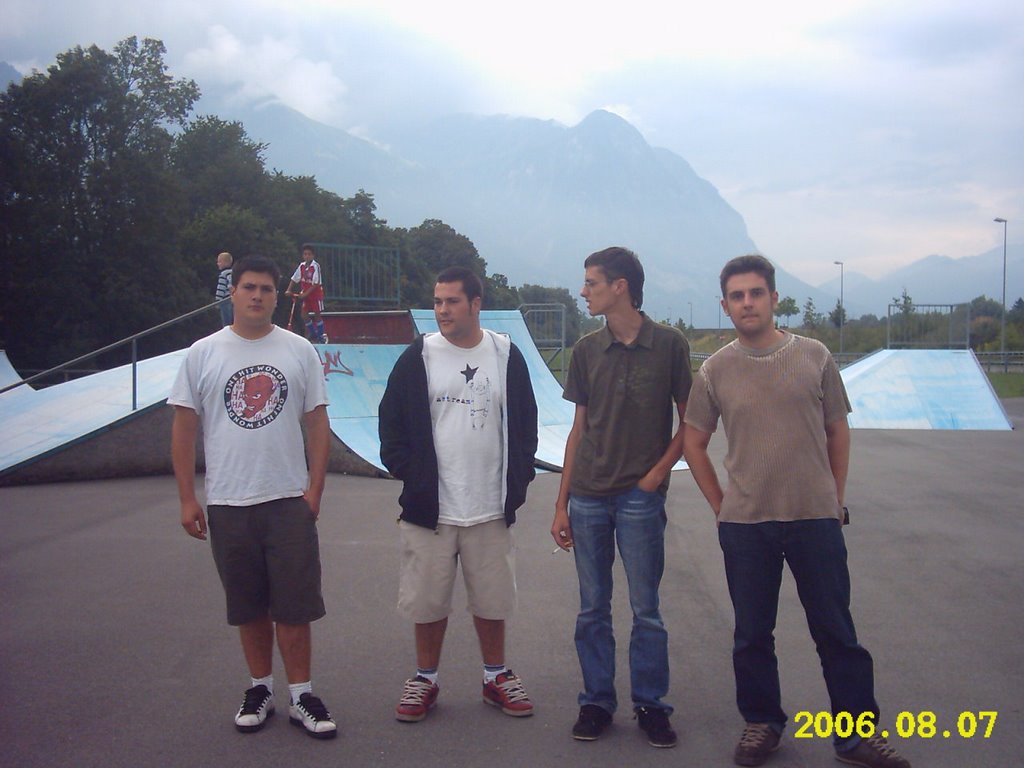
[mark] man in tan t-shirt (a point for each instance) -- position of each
(784, 408)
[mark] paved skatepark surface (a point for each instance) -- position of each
(114, 650)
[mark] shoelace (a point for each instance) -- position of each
(315, 708)
(254, 699)
(416, 691)
(884, 748)
(754, 734)
(513, 688)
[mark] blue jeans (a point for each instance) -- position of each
(816, 553)
(636, 519)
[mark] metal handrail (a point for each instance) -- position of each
(128, 340)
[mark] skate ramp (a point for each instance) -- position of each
(922, 389)
(38, 422)
(7, 373)
(356, 376)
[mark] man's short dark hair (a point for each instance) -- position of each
(308, 247)
(752, 262)
(472, 286)
(255, 263)
(618, 263)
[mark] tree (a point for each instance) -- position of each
(838, 315)
(498, 294)
(786, 308)
(982, 306)
(1016, 312)
(89, 208)
(812, 318)
(904, 304)
(429, 248)
(219, 164)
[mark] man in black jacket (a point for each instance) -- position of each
(458, 425)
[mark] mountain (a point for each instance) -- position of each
(8, 75)
(936, 280)
(534, 196)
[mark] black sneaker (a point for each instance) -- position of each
(257, 706)
(654, 722)
(592, 722)
(311, 714)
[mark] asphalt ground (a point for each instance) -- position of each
(114, 650)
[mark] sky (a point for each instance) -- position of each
(869, 132)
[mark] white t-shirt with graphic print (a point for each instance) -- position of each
(466, 403)
(250, 396)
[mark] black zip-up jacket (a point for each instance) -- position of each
(407, 442)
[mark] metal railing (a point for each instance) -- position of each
(133, 340)
(546, 323)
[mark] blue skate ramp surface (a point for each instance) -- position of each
(7, 373)
(38, 422)
(357, 375)
(922, 389)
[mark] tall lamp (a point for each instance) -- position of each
(842, 312)
(1002, 324)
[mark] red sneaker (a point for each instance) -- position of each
(507, 693)
(418, 697)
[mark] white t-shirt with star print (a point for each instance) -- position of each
(466, 400)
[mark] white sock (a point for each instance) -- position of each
(297, 689)
(492, 672)
(267, 681)
(427, 674)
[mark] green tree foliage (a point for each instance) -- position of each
(110, 223)
(429, 248)
(982, 306)
(904, 304)
(812, 318)
(218, 164)
(88, 199)
(838, 315)
(1016, 312)
(787, 308)
(498, 294)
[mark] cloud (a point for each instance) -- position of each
(270, 68)
(863, 130)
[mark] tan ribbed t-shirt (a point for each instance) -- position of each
(774, 405)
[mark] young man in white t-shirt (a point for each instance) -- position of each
(458, 425)
(253, 386)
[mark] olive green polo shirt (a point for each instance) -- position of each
(628, 392)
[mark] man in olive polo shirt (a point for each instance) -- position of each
(623, 380)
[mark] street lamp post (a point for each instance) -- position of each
(842, 311)
(1002, 323)
(691, 314)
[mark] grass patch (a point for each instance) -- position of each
(1007, 384)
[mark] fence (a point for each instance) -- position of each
(360, 275)
(928, 326)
